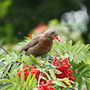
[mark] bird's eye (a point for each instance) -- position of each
(53, 32)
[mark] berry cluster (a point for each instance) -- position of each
(63, 66)
(46, 86)
(26, 71)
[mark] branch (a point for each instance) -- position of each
(39, 78)
(78, 74)
(4, 49)
(71, 88)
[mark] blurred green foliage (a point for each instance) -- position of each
(18, 17)
(4, 6)
(6, 28)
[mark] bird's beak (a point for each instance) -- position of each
(57, 38)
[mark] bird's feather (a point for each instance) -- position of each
(31, 43)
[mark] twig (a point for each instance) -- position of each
(70, 87)
(39, 79)
(77, 73)
(12, 63)
(4, 49)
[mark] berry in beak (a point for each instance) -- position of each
(57, 38)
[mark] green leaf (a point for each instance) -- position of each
(35, 88)
(34, 83)
(71, 57)
(47, 75)
(87, 69)
(66, 88)
(50, 65)
(69, 44)
(52, 74)
(59, 83)
(81, 68)
(35, 60)
(87, 47)
(31, 81)
(2, 86)
(57, 71)
(14, 67)
(88, 85)
(80, 48)
(9, 86)
(62, 51)
(80, 82)
(6, 69)
(45, 61)
(88, 61)
(82, 57)
(20, 88)
(22, 77)
(27, 60)
(2, 65)
(16, 77)
(15, 86)
(74, 47)
(11, 77)
(66, 80)
(64, 45)
(76, 59)
(87, 79)
(5, 80)
(57, 87)
(28, 78)
(28, 89)
(77, 78)
(23, 88)
(76, 66)
(43, 78)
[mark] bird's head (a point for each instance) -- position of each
(52, 34)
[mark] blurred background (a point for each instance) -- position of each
(20, 18)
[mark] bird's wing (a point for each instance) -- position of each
(32, 43)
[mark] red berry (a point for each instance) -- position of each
(58, 55)
(24, 66)
(59, 40)
(55, 59)
(69, 65)
(61, 61)
(63, 64)
(19, 74)
(42, 83)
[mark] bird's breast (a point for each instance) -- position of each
(46, 46)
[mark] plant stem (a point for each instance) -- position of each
(4, 49)
(39, 79)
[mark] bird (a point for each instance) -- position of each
(41, 43)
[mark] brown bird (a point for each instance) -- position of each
(41, 44)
